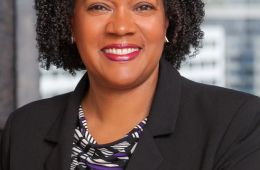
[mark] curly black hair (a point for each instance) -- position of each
(53, 28)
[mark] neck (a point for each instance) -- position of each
(119, 107)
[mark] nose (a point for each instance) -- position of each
(121, 23)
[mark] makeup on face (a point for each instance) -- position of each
(120, 41)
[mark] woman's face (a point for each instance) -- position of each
(120, 41)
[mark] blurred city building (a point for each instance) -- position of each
(56, 81)
(240, 22)
(209, 67)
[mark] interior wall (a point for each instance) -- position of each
(7, 60)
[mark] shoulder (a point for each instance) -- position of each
(38, 115)
(216, 96)
(232, 119)
(30, 123)
(221, 110)
(46, 106)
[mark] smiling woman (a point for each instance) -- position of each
(132, 110)
(54, 28)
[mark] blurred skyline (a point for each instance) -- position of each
(239, 21)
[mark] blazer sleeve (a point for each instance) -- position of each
(5, 146)
(240, 147)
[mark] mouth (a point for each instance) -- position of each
(121, 52)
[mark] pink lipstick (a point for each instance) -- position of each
(121, 52)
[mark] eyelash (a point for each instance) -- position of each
(103, 7)
(97, 7)
(146, 6)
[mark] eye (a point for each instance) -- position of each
(98, 7)
(144, 7)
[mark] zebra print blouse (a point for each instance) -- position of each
(88, 155)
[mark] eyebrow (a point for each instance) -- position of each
(157, 2)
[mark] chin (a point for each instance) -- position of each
(123, 83)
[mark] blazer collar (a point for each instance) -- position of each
(161, 121)
(61, 133)
(165, 106)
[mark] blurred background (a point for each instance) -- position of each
(230, 56)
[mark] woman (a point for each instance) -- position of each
(132, 110)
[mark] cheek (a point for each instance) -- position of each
(88, 30)
(153, 32)
(153, 29)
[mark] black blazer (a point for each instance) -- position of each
(191, 126)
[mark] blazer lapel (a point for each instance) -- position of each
(60, 136)
(146, 155)
(161, 121)
(59, 158)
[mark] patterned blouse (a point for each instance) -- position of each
(88, 155)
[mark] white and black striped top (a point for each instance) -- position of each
(88, 155)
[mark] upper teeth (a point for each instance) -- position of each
(120, 51)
